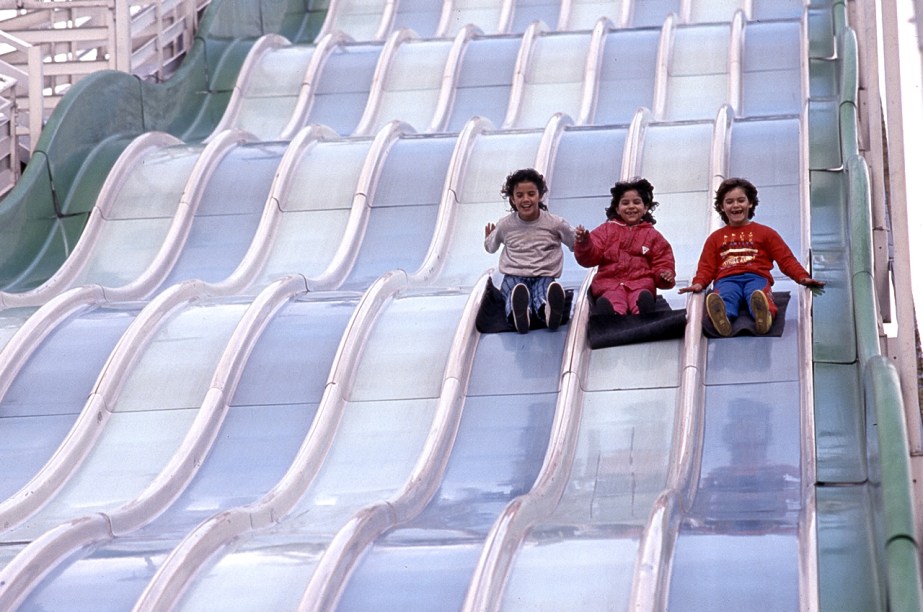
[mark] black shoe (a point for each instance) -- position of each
(604, 307)
(520, 300)
(646, 303)
(554, 305)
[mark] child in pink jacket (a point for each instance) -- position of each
(633, 258)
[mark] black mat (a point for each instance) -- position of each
(744, 325)
(605, 330)
(492, 319)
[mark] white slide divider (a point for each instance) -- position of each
(489, 579)
(48, 551)
(322, 51)
(517, 89)
(265, 44)
(261, 245)
(96, 412)
(133, 154)
(172, 579)
(385, 60)
(353, 539)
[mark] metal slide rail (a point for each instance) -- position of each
(268, 44)
(366, 23)
(435, 258)
(884, 407)
(883, 398)
(809, 545)
(652, 569)
(162, 261)
(489, 579)
(260, 247)
(437, 94)
(323, 48)
(530, 97)
(592, 70)
(263, 45)
(52, 548)
(385, 60)
(344, 258)
(23, 343)
(178, 570)
(246, 277)
(529, 41)
(331, 573)
(96, 412)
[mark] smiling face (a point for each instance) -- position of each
(525, 198)
(631, 207)
(736, 205)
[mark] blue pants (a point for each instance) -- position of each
(538, 289)
(738, 288)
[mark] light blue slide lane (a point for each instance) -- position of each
(228, 214)
(746, 512)
(269, 416)
(497, 454)
(402, 214)
(48, 393)
(584, 554)
(385, 422)
(152, 398)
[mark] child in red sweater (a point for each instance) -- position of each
(739, 259)
(634, 259)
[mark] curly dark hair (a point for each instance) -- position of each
(525, 175)
(644, 189)
(730, 184)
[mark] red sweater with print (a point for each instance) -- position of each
(630, 255)
(751, 248)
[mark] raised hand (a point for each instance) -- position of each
(581, 234)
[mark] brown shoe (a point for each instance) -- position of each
(759, 307)
(714, 306)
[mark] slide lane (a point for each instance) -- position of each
(268, 415)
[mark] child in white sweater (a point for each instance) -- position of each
(532, 257)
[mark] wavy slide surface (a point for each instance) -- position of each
(256, 381)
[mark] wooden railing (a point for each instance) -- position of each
(48, 45)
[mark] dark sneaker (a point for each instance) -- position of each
(520, 300)
(646, 303)
(604, 306)
(554, 305)
(759, 307)
(714, 306)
